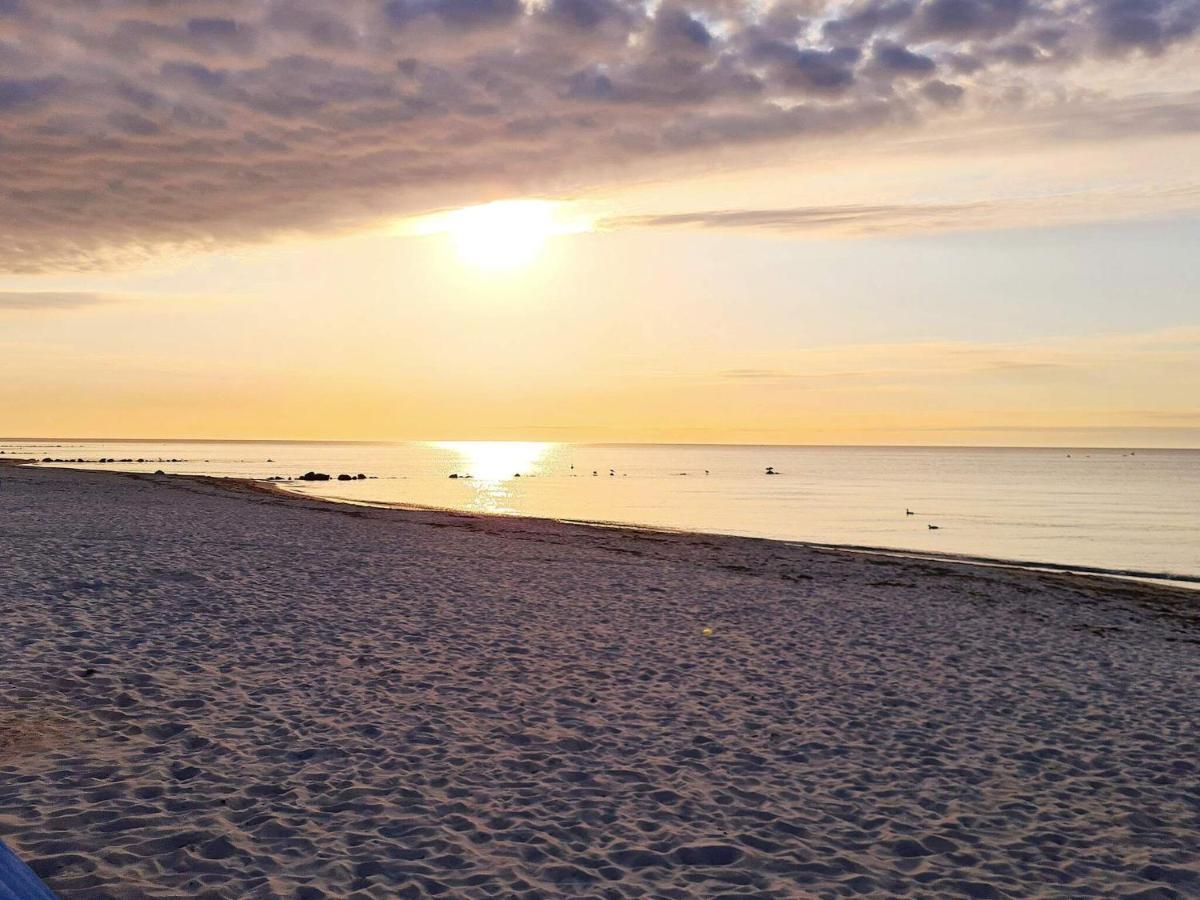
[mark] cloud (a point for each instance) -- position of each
(822, 218)
(1067, 367)
(957, 19)
(910, 218)
(130, 129)
(18, 92)
(755, 374)
(57, 301)
(40, 301)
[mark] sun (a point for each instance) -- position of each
(504, 234)
(507, 234)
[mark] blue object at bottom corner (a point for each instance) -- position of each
(17, 881)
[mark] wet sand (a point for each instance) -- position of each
(208, 690)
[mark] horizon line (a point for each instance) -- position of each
(584, 443)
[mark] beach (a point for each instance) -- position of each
(211, 689)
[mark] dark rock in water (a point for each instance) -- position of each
(159, 472)
(453, 474)
(314, 476)
(47, 459)
(361, 477)
(344, 477)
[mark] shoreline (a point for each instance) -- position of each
(1161, 579)
(216, 689)
(1166, 580)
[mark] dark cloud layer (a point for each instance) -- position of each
(130, 126)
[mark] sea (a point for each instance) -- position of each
(1133, 512)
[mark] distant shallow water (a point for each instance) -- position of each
(1111, 510)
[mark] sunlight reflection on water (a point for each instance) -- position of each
(495, 468)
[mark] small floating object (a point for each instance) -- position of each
(453, 474)
(771, 471)
(908, 512)
(707, 631)
(934, 527)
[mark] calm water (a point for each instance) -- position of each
(1112, 509)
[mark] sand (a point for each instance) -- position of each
(209, 691)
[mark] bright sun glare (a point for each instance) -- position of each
(506, 234)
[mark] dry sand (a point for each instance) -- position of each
(209, 691)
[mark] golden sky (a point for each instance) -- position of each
(920, 222)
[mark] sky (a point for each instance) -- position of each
(877, 221)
